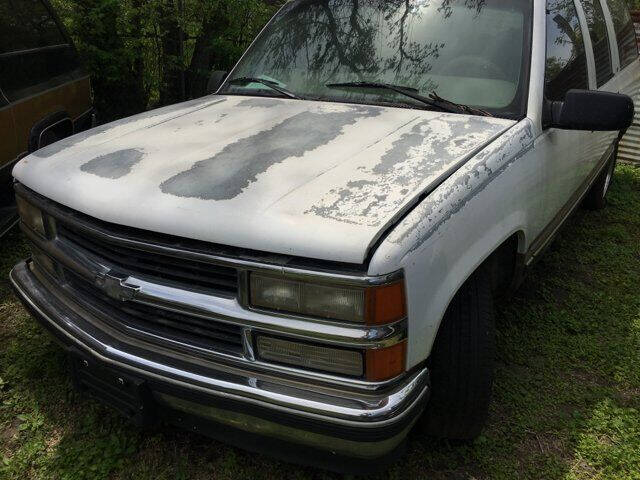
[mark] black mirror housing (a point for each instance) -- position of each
(215, 81)
(591, 110)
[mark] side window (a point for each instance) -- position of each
(599, 39)
(34, 54)
(625, 31)
(27, 24)
(566, 59)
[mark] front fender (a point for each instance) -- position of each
(441, 242)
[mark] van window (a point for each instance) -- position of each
(34, 54)
(599, 39)
(566, 59)
(27, 24)
(625, 31)
(25, 74)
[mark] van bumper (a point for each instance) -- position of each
(236, 406)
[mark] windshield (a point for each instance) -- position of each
(472, 52)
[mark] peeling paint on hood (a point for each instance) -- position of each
(424, 151)
(311, 179)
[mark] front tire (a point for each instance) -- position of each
(462, 368)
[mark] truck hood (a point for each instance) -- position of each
(310, 179)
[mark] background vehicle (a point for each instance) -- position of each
(45, 93)
(320, 245)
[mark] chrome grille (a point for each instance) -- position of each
(178, 328)
(158, 268)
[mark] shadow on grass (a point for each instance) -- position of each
(565, 400)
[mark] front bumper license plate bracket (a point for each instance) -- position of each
(128, 395)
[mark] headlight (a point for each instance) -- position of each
(315, 357)
(31, 216)
(369, 305)
(374, 365)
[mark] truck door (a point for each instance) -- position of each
(563, 151)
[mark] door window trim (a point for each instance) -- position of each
(579, 12)
(610, 40)
(588, 45)
(16, 53)
(613, 38)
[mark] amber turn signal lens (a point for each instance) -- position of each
(386, 304)
(386, 363)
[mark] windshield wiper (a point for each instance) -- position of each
(461, 106)
(272, 85)
(434, 100)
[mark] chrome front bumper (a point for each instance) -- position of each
(345, 421)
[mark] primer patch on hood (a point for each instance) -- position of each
(113, 165)
(227, 174)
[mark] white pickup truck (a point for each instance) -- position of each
(305, 260)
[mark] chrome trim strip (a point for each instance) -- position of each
(229, 311)
(49, 127)
(28, 51)
(371, 411)
(224, 309)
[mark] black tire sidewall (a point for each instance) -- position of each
(462, 364)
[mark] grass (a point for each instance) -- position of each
(566, 400)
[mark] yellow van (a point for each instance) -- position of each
(45, 93)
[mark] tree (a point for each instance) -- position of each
(143, 53)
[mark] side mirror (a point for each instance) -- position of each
(215, 80)
(591, 110)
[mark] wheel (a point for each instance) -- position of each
(596, 198)
(461, 362)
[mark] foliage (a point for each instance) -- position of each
(143, 54)
(566, 403)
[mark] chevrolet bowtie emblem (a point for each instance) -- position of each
(115, 286)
